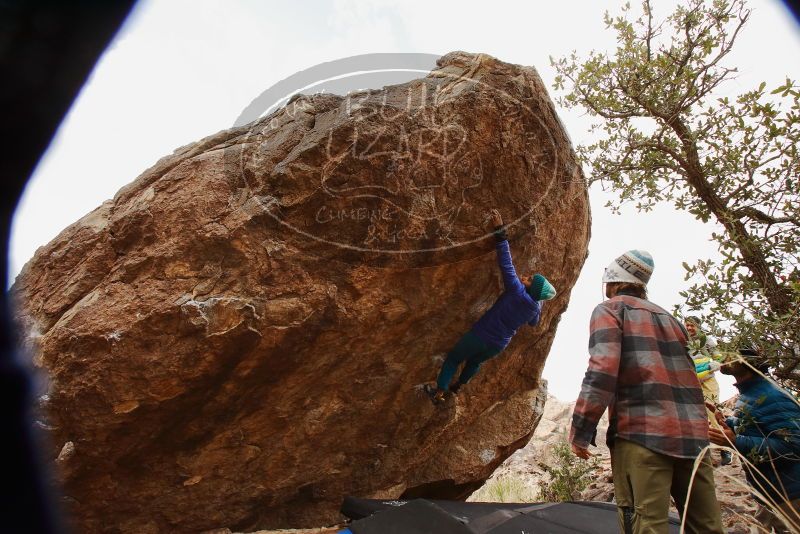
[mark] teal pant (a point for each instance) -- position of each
(470, 350)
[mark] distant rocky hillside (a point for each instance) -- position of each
(523, 470)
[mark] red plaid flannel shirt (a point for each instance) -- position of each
(640, 370)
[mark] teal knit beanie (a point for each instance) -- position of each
(541, 288)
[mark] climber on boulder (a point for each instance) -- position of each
(519, 304)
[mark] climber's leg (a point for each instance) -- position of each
(473, 363)
(467, 346)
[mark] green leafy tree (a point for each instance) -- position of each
(665, 135)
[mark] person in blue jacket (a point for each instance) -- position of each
(765, 429)
(518, 305)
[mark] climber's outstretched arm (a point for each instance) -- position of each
(510, 278)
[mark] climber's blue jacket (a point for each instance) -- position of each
(514, 308)
(767, 425)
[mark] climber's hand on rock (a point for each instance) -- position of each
(497, 220)
(581, 452)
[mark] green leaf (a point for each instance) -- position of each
(661, 136)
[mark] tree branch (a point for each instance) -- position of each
(760, 216)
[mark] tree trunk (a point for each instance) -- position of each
(752, 254)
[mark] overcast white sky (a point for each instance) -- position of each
(182, 69)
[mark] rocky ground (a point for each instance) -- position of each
(521, 474)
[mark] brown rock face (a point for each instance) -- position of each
(239, 337)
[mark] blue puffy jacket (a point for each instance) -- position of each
(514, 308)
(767, 425)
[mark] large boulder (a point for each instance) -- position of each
(240, 336)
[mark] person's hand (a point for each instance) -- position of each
(724, 437)
(717, 415)
(497, 220)
(581, 452)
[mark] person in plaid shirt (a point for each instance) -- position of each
(639, 369)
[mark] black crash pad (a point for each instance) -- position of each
(416, 517)
(420, 516)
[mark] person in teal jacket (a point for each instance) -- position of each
(765, 429)
(518, 305)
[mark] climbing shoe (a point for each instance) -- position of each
(455, 387)
(436, 394)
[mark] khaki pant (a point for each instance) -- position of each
(644, 481)
(791, 520)
(710, 388)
